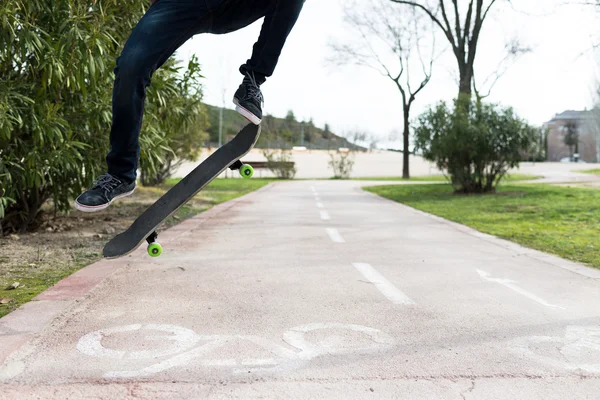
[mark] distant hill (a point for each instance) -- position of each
(276, 132)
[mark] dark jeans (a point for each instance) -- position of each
(163, 29)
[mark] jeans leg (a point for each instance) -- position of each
(279, 21)
(280, 18)
(164, 28)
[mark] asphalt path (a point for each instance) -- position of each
(312, 289)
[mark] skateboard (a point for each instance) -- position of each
(145, 226)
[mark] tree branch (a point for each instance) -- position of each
(449, 28)
(400, 34)
(433, 18)
(476, 31)
(402, 92)
(468, 22)
(459, 36)
(514, 50)
(421, 87)
(487, 10)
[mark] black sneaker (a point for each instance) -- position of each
(104, 190)
(249, 99)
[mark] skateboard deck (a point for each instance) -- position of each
(144, 227)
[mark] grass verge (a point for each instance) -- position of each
(441, 178)
(69, 242)
(558, 220)
(595, 171)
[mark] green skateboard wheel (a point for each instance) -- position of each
(154, 249)
(246, 171)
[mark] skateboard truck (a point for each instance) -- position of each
(246, 170)
(154, 248)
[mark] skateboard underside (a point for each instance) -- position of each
(144, 227)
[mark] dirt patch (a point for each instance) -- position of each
(69, 242)
(32, 262)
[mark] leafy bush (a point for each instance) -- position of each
(56, 62)
(474, 143)
(177, 118)
(280, 164)
(341, 163)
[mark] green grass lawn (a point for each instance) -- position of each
(595, 171)
(218, 191)
(37, 269)
(558, 220)
(441, 178)
(221, 190)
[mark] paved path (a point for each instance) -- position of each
(313, 290)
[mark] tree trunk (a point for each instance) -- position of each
(464, 88)
(406, 154)
(466, 82)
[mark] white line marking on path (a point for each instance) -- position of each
(575, 349)
(320, 205)
(390, 291)
(324, 215)
(511, 285)
(296, 337)
(313, 189)
(335, 236)
(175, 338)
(205, 350)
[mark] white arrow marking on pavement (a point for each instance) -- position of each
(319, 205)
(313, 189)
(334, 235)
(390, 291)
(511, 285)
(324, 215)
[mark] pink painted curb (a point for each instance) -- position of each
(26, 322)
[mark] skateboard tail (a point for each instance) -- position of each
(111, 251)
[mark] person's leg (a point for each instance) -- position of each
(165, 27)
(280, 17)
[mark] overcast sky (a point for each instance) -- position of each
(558, 75)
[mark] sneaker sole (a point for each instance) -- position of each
(88, 209)
(246, 114)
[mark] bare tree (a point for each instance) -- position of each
(513, 50)
(373, 142)
(389, 42)
(463, 36)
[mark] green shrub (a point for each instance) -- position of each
(177, 118)
(280, 164)
(56, 63)
(475, 144)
